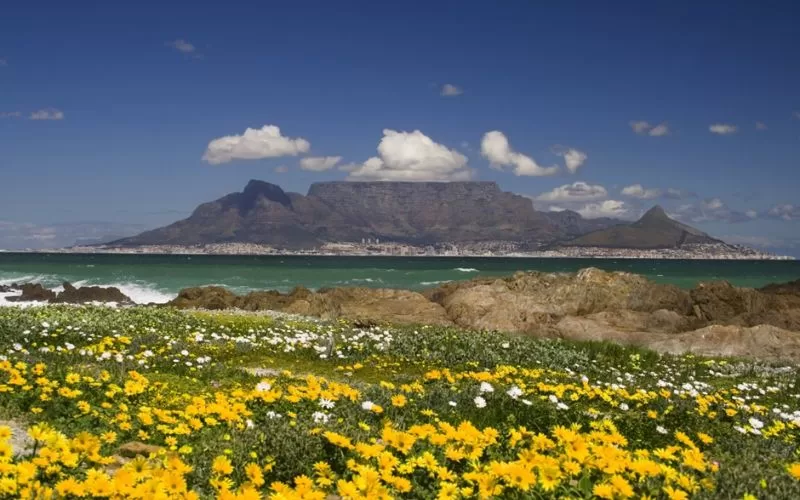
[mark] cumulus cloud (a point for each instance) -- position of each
(281, 169)
(319, 163)
(573, 159)
(710, 210)
(254, 144)
(638, 191)
(678, 194)
(642, 127)
(10, 114)
(575, 192)
(411, 156)
(784, 212)
(608, 208)
(497, 150)
(761, 126)
(723, 129)
(450, 90)
(47, 114)
(181, 46)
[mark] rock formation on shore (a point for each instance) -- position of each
(712, 318)
(35, 292)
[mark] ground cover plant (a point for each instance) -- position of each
(155, 403)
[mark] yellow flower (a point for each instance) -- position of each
(399, 401)
(675, 493)
(254, 474)
(222, 465)
(794, 470)
(603, 490)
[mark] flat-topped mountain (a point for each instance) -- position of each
(654, 230)
(410, 212)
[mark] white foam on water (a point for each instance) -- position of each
(142, 293)
(6, 303)
(429, 283)
(466, 269)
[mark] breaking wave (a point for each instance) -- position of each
(466, 269)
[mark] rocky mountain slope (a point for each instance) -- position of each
(654, 230)
(409, 212)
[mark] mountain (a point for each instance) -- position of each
(654, 230)
(410, 212)
(571, 224)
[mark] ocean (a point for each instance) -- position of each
(158, 278)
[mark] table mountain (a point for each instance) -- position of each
(412, 212)
(654, 230)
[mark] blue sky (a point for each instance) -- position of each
(130, 97)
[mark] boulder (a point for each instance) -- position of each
(206, 297)
(33, 292)
(377, 305)
(85, 294)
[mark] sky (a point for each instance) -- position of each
(119, 117)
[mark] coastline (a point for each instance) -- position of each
(693, 252)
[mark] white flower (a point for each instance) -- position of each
(562, 406)
(624, 406)
(480, 402)
(661, 430)
(527, 402)
(755, 423)
(319, 417)
(326, 403)
(367, 405)
(17, 347)
(514, 392)
(45, 324)
(553, 399)
(453, 404)
(272, 415)
(249, 423)
(263, 386)
(486, 387)
(184, 352)
(740, 429)
(506, 345)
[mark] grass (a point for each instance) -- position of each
(415, 412)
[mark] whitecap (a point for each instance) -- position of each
(430, 283)
(466, 269)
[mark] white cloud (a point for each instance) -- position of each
(182, 46)
(282, 169)
(710, 210)
(497, 150)
(607, 208)
(11, 114)
(761, 126)
(638, 191)
(751, 213)
(642, 127)
(659, 130)
(575, 192)
(450, 90)
(723, 129)
(573, 159)
(254, 144)
(678, 194)
(411, 156)
(47, 114)
(713, 204)
(784, 212)
(319, 163)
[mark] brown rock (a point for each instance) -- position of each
(206, 297)
(762, 342)
(33, 293)
(378, 304)
(84, 294)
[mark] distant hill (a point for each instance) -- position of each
(654, 230)
(412, 212)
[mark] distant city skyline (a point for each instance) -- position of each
(117, 118)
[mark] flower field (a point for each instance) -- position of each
(155, 403)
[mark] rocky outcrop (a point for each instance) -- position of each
(33, 292)
(88, 294)
(713, 318)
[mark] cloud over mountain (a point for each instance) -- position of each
(254, 144)
(496, 148)
(319, 163)
(411, 156)
(575, 192)
(639, 192)
(608, 208)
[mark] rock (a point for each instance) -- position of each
(20, 442)
(85, 294)
(263, 300)
(789, 288)
(762, 342)
(206, 297)
(378, 305)
(720, 301)
(132, 449)
(33, 293)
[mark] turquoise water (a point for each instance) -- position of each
(148, 278)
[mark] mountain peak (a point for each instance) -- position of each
(255, 189)
(657, 212)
